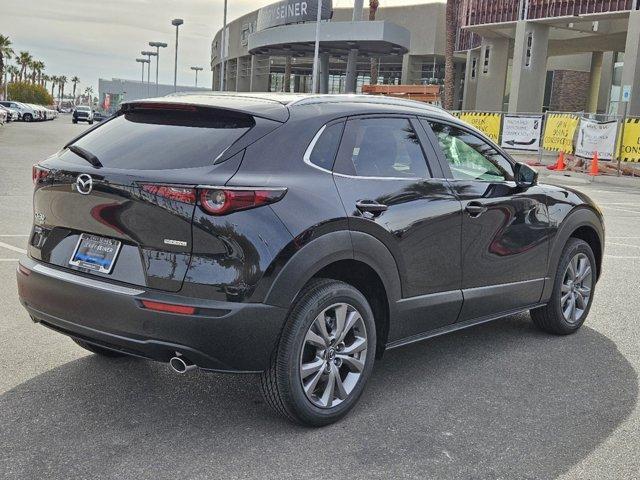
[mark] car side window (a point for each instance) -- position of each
(325, 148)
(470, 157)
(383, 147)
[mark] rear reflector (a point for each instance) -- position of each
(23, 270)
(179, 194)
(168, 307)
(227, 200)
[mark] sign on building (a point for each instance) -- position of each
(630, 148)
(559, 131)
(596, 137)
(487, 123)
(521, 132)
(291, 11)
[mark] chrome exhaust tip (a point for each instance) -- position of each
(181, 365)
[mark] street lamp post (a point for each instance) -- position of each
(316, 51)
(222, 46)
(158, 46)
(197, 69)
(149, 55)
(142, 61)
(176, 22)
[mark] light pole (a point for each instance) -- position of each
(176, 22)
(142, 61)
(148, 55)
(158, 46)
(197, 69)
(316, 51)
(222, 46)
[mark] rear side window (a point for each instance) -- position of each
(383, 147)
(159, 140)
(324, 151)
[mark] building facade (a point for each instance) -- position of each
(511, 55)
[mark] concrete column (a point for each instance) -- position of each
(631, 68)
(324, 73)
(528, 75)
(471, 80)
(243, 84)
(296, 83)
(351, 76)
(594, 81)
(457, 85)
(606, 79)
(411, 69)
(215, 80)
(490, 92)
(259, 73)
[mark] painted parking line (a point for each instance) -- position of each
(12, 248)
(9, 260)
(620, 209)
(15, 235)
(623, 244)
(622, 257)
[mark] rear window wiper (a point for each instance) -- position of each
(87, 155)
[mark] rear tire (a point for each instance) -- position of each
(27, 117)
(573, 290)
(319, 370)
(105, 352)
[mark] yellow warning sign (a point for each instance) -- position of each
(630, 149)
(559, 131)
(487, 123)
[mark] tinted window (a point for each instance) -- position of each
(470, 157)
(163, 140)
(324, 151)
(385, 147)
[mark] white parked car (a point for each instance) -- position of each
(29, 114)
(3, 116)
(12, 114)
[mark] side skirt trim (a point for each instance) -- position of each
(454, 327)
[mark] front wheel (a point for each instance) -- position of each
(325, 355)
(27, 117)
(573, 290)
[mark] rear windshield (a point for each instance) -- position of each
(159, 140)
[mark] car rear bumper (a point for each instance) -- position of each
(223, 336)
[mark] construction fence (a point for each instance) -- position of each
(581, 134)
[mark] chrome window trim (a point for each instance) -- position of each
(381, 178)
(84, 281)
(307, 153)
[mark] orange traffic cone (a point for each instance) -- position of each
(593, 170)
(560, 163)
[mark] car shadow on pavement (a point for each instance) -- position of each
(500, 400)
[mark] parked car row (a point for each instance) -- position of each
(27, 112)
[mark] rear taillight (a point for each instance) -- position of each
(220, 201)
(179, 194)
(38, 174)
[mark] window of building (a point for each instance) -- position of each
(487, 55)
(383, 147)
(324, 150)
(470, 157)
(527, 61)
(474, 64)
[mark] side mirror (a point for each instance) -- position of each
(524, 175)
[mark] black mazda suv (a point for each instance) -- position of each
(298, 237)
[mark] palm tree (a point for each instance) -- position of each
(33, 65)
(89, 92)
(61, 83)
(39, 66)
(24, 59)
(14, 72)
(75, 80)
(450, 40)
(45, 80)
(373, 8)
(6, 52)
(54, 82)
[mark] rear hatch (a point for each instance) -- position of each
(118, 201)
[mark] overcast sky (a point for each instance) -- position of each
(102, 38)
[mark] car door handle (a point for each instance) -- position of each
(475, 209)
(370, 206)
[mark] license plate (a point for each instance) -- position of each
(95, 253)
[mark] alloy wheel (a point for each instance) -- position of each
(333, 355)
(576, 288)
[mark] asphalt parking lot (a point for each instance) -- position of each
(498, 401)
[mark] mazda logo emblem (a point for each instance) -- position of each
(84, 184)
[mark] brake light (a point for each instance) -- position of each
(168, 307)
(220, 201)
(39, 174)
(179, 194)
